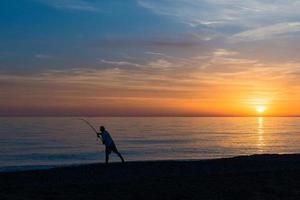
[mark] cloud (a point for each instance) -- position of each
(231, 17)
(77, 5)
(121, 63)
(267, 32)
(227, 62)
(164, 79)
(170, 42)
(42, 56)
(160, 64)
(190, 12)
(218, 11)
(224, 52)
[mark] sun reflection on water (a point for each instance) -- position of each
(260, 133)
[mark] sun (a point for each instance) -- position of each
(261, 109)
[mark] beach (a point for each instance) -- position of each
(246, 177)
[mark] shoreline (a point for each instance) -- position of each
(32, 168)
(265, 176)
(26, 168)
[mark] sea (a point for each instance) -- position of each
(46, 142)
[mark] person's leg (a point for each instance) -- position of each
(115, 150)
(121, 157)
(106, 155)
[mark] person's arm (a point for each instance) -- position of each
(99, 135)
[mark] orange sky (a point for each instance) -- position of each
(121, 93)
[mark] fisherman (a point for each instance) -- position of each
(109, 144)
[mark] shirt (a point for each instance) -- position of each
(107, 140)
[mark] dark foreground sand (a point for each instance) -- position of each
(253, 177)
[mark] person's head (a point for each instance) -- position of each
(102, 128)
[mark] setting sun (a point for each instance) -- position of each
(261, 109)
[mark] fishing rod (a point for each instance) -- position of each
(90, 125)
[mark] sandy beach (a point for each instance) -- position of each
(247, 177)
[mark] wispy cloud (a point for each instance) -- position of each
(231, 17)
(42, 56)
(79, 5)
(224, 52)
(121, 63)
(157, 82)
(218, 11)
(167, 42)
(267, 32)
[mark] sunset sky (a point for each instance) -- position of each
(150, 57)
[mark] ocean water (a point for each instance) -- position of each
(27, 143)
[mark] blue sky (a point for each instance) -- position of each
(142, 53)
(66, 34)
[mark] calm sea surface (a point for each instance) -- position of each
(44, 142)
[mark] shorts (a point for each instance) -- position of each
(111, 148)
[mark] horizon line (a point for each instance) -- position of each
(149, 116)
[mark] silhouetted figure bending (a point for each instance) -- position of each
(109, 144)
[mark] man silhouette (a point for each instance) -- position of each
(109, 144)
